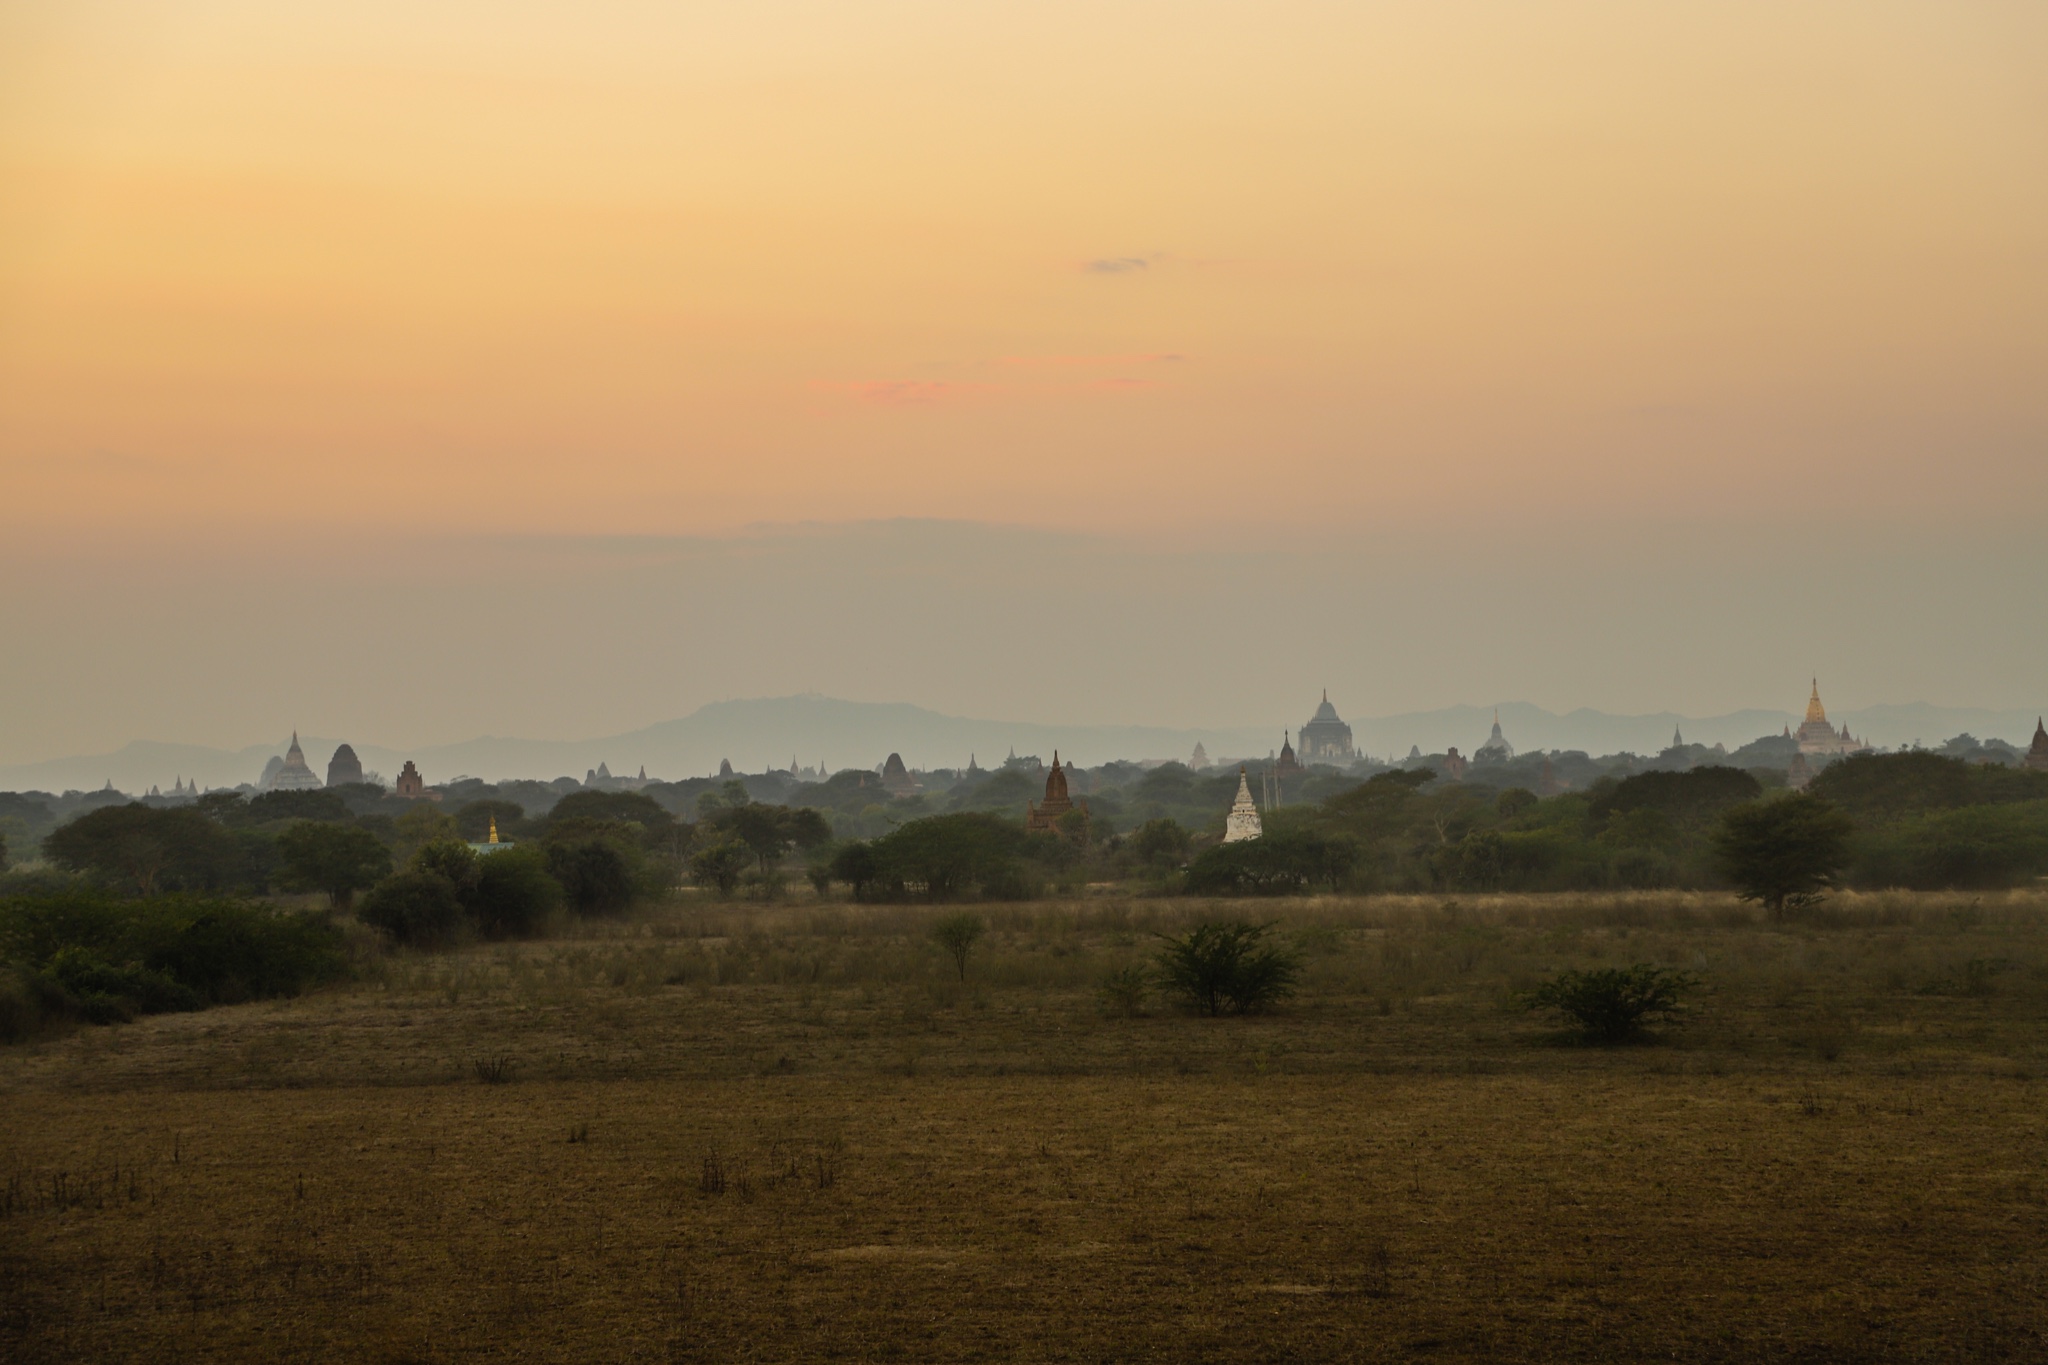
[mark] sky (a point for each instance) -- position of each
(441, 368)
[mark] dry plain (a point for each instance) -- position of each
(785, 1132)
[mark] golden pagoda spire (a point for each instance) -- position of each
(1814, 710)
(494, 828)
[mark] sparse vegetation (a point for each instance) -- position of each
(806, 1090)
(958, 934)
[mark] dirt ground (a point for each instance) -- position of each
(788, 1134)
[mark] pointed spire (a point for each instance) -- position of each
(494, 827)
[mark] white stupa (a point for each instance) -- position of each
(1243, 821)
(294, 775)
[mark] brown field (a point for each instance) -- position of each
(784, 1133)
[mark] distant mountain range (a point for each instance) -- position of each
(758, 734)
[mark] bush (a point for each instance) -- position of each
(1124, 988)
(106, 960)
(416, 907)
(1227, 965)
(1613, 1004)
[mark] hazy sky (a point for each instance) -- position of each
(1436, 291)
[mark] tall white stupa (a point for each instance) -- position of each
(1243, 821)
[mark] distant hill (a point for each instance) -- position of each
(757, 734)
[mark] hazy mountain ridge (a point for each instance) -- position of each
(759, 733)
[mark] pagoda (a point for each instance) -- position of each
(1243, 821)
(1326, 738)
(1817, 736)
(1043, 817)
(294, 775)
(2037, 754)
(1496, 749)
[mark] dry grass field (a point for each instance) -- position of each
(787, 1133)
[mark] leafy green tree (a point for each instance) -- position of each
(1161, 843)
(720, 864)
(1514, 801)
(514, 893)
(148, 850)
(958, 934)
(1219, 966)
(337, 859)
(424, 823)
(949, 855)
(1613, 1004)
(1282, 862)
(1892, 786)
(730, 796)
(267, 808)
(1690, 799)
(415, 907)
(596, 875)
(1784, 852)
(1975, 846)
(770, 831)
(864, 871)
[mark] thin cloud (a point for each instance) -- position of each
(1119, 265)
(903, 393)
(1090, 361)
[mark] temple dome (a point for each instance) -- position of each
(344, 767)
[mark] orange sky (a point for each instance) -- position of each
(647, 267)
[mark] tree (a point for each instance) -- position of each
(1785, 852)
(863, 871)
(150, 850)
(1161, 843)
(337, 859)
(1514, 801)
(595, 875)
(414, 907)
(719, 864)
(1613, 1004)
(1688, 799)
(425, 823)
(514, 893)
(770, 831)
(1227, 965)
(1280, 863)
(958, 934)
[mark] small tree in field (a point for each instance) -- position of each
(1614, 1004)
(719, 864)
(958, 934)
(1786, 852)
(1215, 967)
